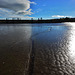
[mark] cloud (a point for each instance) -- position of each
(60, 16)
(17, 7)
(7, 14)
(25, 12)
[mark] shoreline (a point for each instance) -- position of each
(37, 21)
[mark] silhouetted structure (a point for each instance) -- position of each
(41, 18)
(6, 19)
(38, 18)
(37, 21)
(18, 18)
(31, 18)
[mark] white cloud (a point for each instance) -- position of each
(7, 14)
(17, 7)
(60, 16)
(33, 3)
(25, 12)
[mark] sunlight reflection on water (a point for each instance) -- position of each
(72, 42)
(52, 47)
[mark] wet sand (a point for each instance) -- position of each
(38, 49)
(14, 50)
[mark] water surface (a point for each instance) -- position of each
(37, 49)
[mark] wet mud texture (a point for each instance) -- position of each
(37, 50)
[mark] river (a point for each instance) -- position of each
(37, 49)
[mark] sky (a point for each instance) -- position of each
(27, 9)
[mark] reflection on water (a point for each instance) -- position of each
(53, 49)
(14, 49)
(72, 42)
(37, 49)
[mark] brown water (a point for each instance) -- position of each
(37, 49)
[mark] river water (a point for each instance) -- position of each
(37, 49)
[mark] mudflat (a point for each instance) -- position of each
(37, 49)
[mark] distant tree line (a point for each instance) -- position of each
(67, 19)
